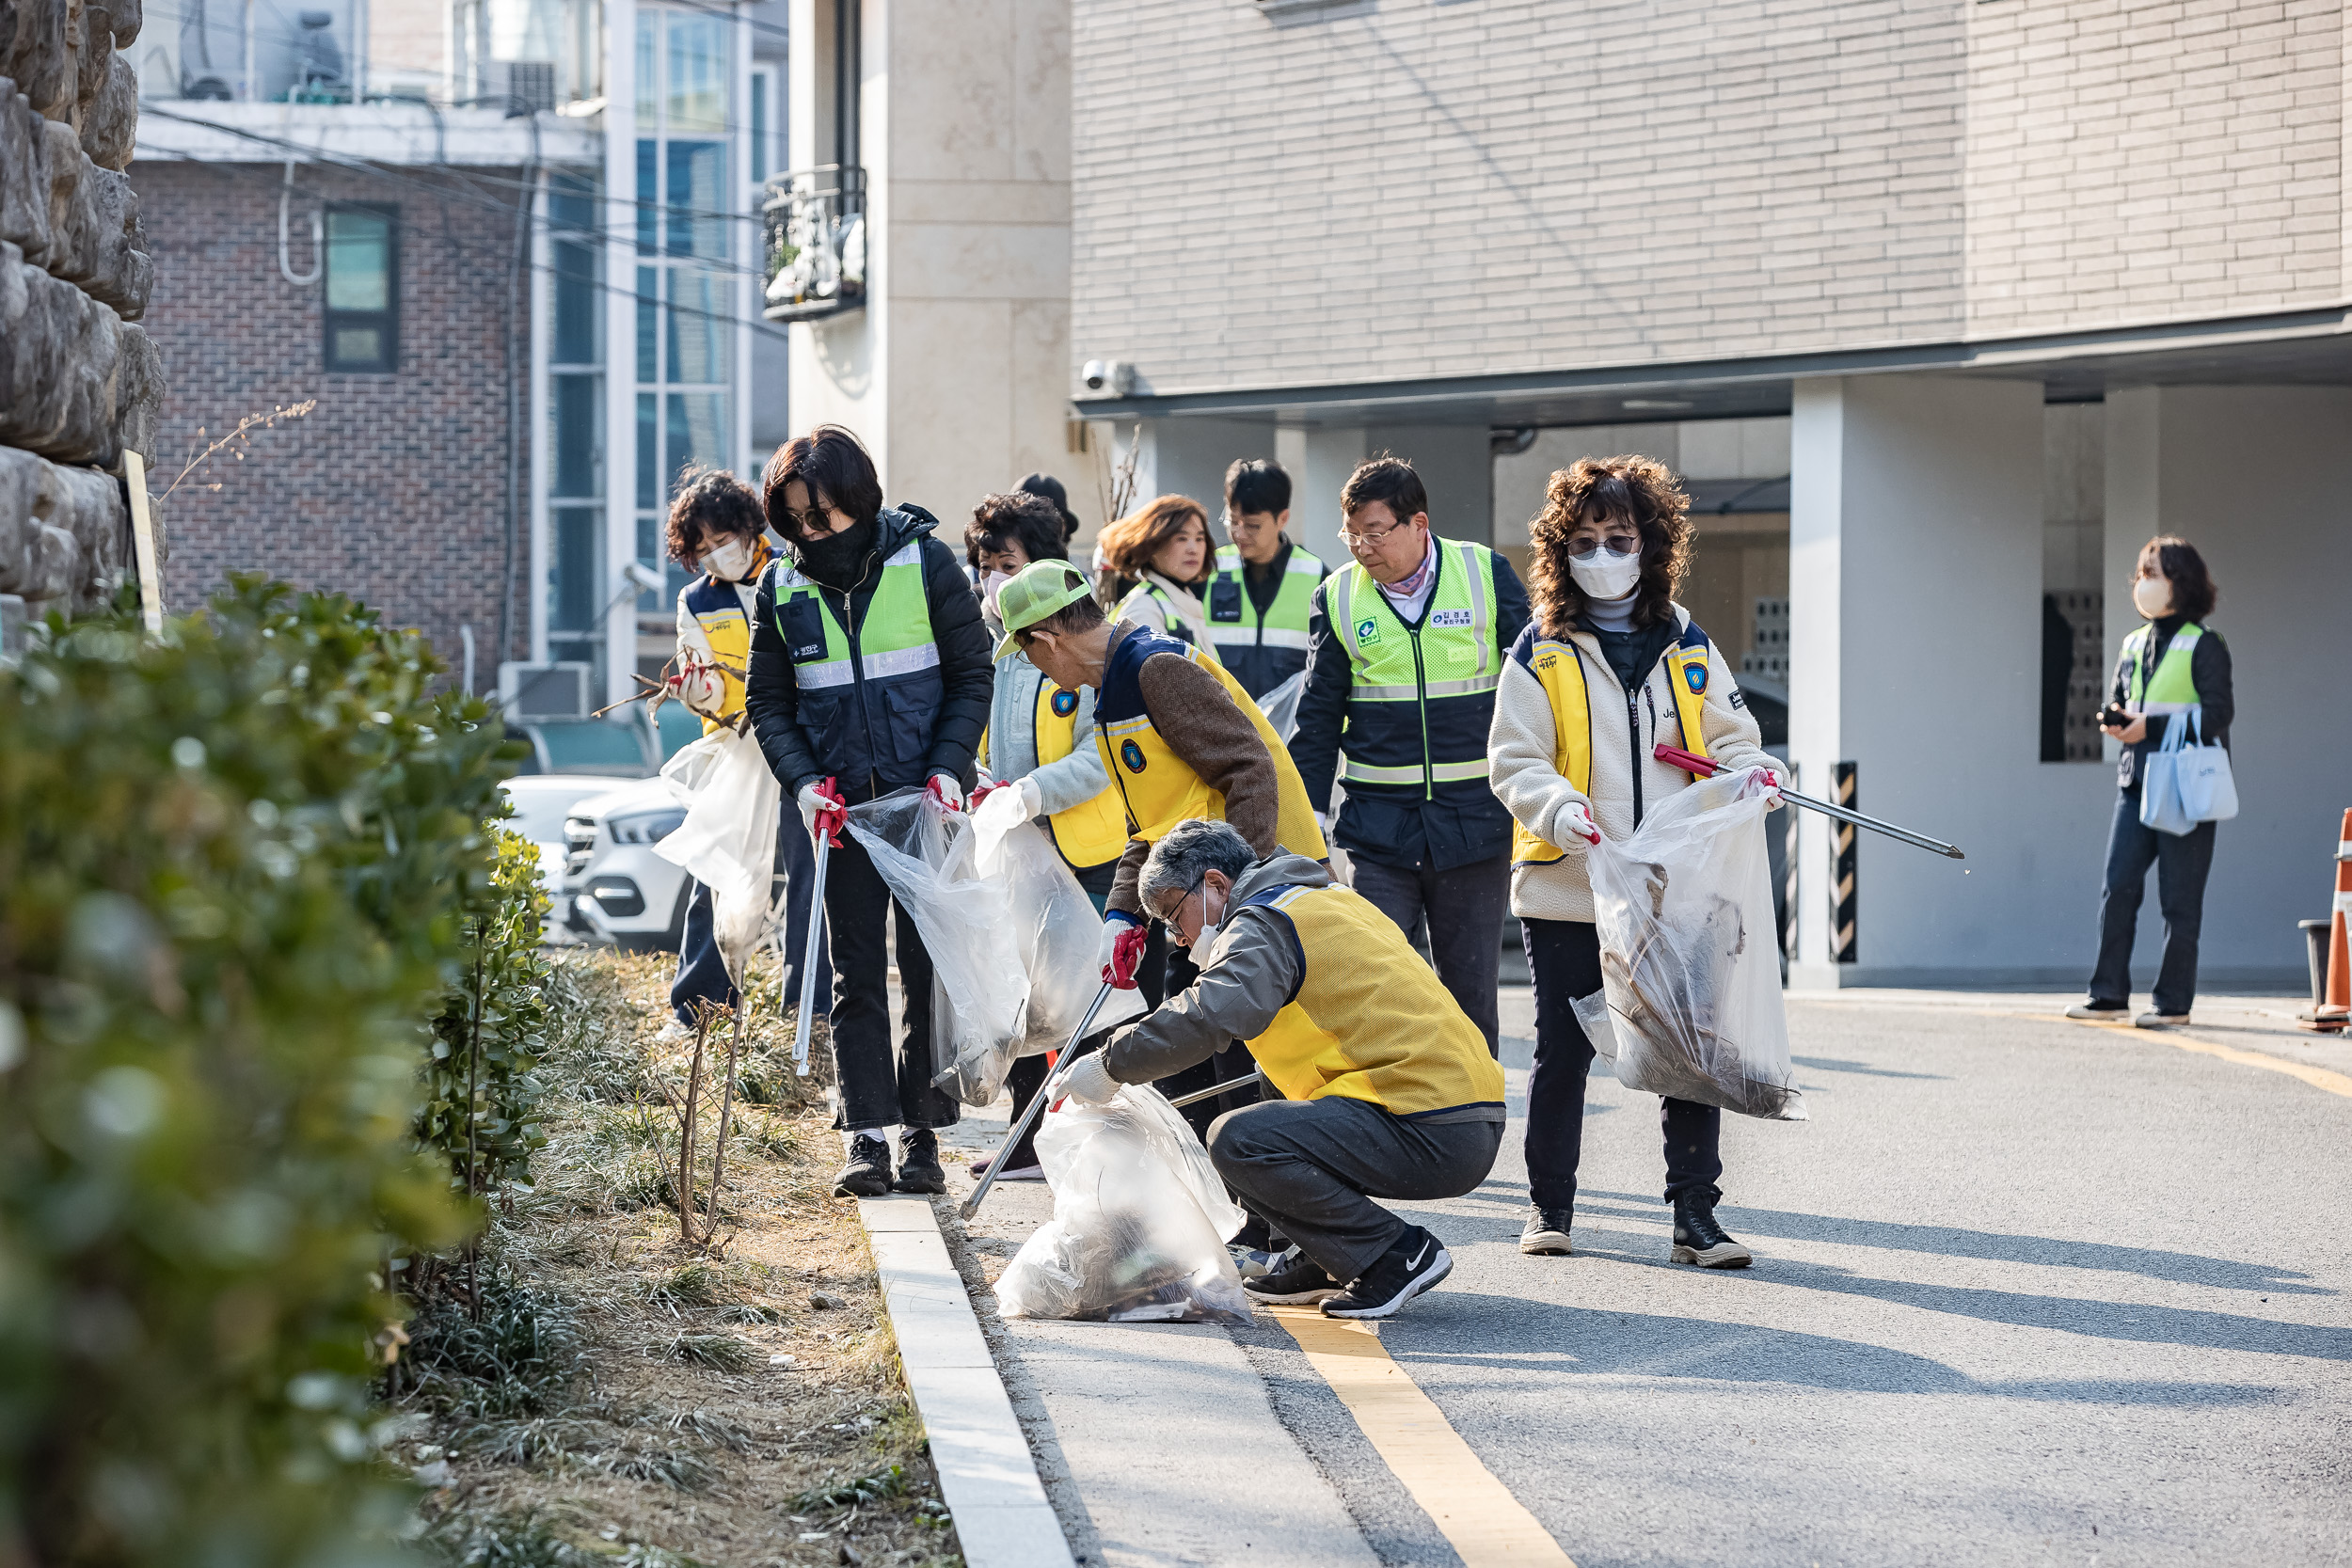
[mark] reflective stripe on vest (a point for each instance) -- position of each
(1158, 787)
(1368, 1021)
(1284, 623)
(1094, 830)
(1449, 656)
(894, 639)
(2173, 688)
(1559, 668)
(1170, 625)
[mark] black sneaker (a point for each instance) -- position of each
(1299, 1281)
(1547, 1232)
(918, 1164)
(1699, 1240)
(1417, 1262)
(868, 1173)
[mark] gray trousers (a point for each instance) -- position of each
(1312, 1168)
(1456, 916)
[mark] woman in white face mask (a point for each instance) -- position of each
(2175, 670)
(1607, 667)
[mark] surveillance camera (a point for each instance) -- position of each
(1114, 377)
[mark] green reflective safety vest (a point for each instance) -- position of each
(1170, 625)
(1262, 650)
(1421, 698)
(868, 699)
(2172, 689)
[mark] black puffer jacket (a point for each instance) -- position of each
(875, 747)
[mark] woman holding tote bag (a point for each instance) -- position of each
(2174, 671)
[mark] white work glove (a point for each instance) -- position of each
(1575, 820)
(820, 811)
(1091, 1082)
(946, 790)
(1764, 779)
(1007, 807)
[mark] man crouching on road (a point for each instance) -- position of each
(1388, 1087)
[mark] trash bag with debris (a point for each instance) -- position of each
(926, 856)
(1140, 1221)
(729, 839)
(1057, 932)
(1690, 1004)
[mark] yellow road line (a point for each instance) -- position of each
(2317, 1077)
(1487, 1525)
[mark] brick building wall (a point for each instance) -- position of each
(394, 490)
(2130, 161)
(1379, 193)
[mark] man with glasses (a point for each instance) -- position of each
(1406, 647)
(1387, 1090)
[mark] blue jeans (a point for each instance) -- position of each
(701, 975)
(2182, 862)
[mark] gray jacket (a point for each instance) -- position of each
(1250, 974)
(1011, 747)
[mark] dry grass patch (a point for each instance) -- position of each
(617, 1396)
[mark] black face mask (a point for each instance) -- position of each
(837, 560)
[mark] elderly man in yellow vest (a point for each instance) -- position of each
(1387, 1087)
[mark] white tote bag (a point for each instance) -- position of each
(2184, 784)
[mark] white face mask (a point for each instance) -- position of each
(1604, 576)
(728, 562)
(1207, 939)
(2153, 596)
(991, 586)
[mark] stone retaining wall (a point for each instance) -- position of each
(80, 383)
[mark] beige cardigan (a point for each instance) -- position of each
(1520, 744)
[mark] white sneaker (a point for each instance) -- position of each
(2159, 1020)
(2103, 1015)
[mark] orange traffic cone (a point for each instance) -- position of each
(2336, 1011)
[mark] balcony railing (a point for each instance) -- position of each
(815, 244)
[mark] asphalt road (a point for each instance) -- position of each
(2025, 1292)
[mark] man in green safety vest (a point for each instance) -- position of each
(1258, 593)
(869, 672)
(1406, 648)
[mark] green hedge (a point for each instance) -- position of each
(235, 872)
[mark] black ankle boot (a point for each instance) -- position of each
(1698, 1238)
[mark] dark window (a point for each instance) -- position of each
(362, 290)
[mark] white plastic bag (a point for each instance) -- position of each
(1281, 706)
(1690, 961)
(1140, 1221)
(729, 839)
(1057, 932)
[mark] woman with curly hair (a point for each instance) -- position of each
(1607, 667)
(1154, 565)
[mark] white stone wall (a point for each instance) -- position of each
(2131, 162)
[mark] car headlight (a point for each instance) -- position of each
(648, 827)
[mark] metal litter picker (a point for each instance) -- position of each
(808, 949)
(1063, 1066)
(1707, 768)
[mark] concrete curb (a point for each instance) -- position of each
(986, 1474)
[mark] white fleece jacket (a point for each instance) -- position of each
(1521, 741)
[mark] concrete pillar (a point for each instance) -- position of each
(2259, 480)
(1327, 458)
(1915, 613)
(1190, 457)
(1456, 466)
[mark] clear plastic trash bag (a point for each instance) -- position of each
(1281, 706)
(1140, 1221)
(1058, 934)
(728, 840)
(1690, 1004)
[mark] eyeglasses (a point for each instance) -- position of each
(815, 519)
(1360, 541)
(1169, 920)
(1616, 544)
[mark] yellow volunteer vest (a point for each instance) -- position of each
(1370, 1021)
(1159, 789)
(1559, 666)
(1093, 831)
(718, 609)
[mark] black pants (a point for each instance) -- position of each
(2182, 862)
(702, 975)
(1312, 1168)
(1456, 916)
(1563, 957)
(879, 1086)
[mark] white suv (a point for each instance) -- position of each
(614, 886)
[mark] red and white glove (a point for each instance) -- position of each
(823, 811)
(1576, 818)
(1123, 939)
(698, 685)
(1766, 779)
(946, 791)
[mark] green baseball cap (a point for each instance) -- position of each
(1034, 592)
